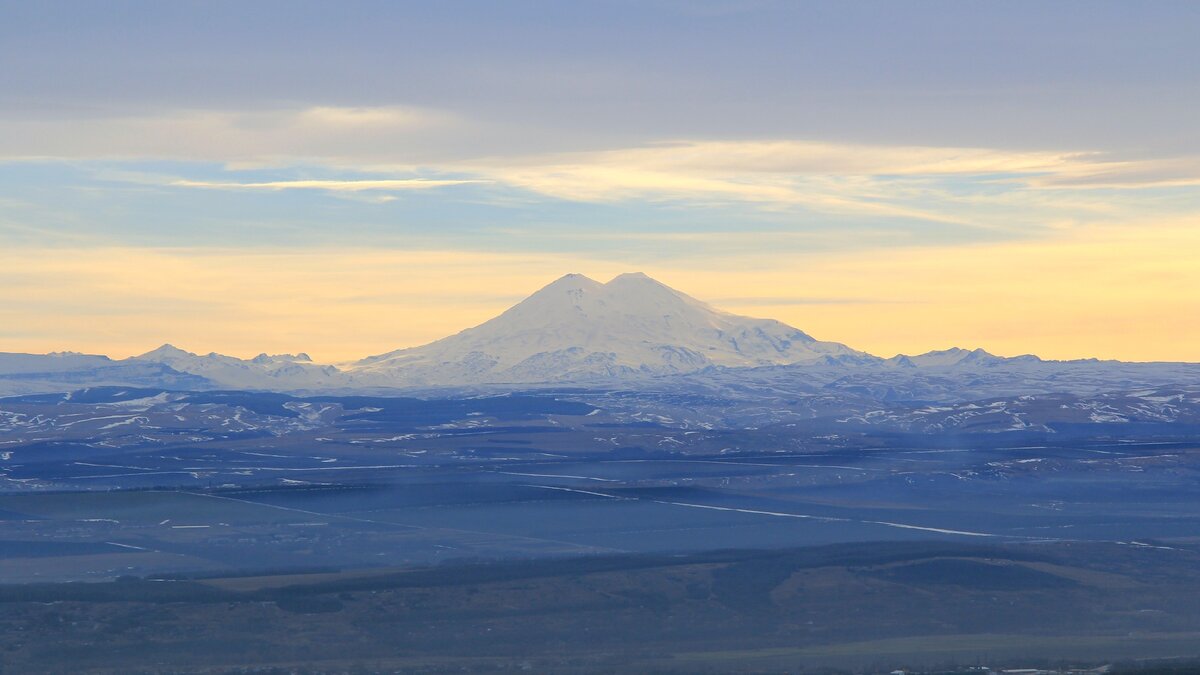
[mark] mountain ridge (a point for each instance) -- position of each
(578, 330)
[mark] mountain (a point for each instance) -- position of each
(579, 329)
(169, 367)
(54, 362)
(66, 371)
(633, 332)
(285, 372)
(956, 356)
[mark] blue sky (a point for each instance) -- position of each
(696, 140)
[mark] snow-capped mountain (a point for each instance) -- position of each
(577, 328)
(632, 331)
(168, 367)
(65, 371)
(286, 372)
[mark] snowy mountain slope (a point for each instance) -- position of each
(167, 367)
(576, 328)
(941, 379)
(67, 371)
(285, 372)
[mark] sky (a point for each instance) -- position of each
(348, 178)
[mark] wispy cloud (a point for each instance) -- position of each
(745, 167)
(239, 138)
(866, 194)
(879, 181)
(395, 139)
(329, 185)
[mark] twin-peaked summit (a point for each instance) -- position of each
(580, 331)
(577, 328)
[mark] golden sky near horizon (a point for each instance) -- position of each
(1124, 292)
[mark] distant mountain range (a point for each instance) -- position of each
(630, 330)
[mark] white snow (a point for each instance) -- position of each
(555, 475)
(826, 519)
(582, 492)
(132, 420)
(577, 328)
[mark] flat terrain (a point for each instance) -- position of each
(874, 606)
(455, 506)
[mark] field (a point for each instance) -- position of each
(852, 606)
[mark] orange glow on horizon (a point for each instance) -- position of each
(1126, 293)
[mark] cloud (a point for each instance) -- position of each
(396, 136)
(364, 154)
(1124, 175)
(783, 170)
(329, 185)
(840, 179)
(235, 137)
(794, 157)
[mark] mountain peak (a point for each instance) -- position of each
(953, 351)
(265, 358)
(631, 276)
(562, 292)
(572, 281)
(575, 328)
(953, 357)
(637, 281)
(166, 351)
